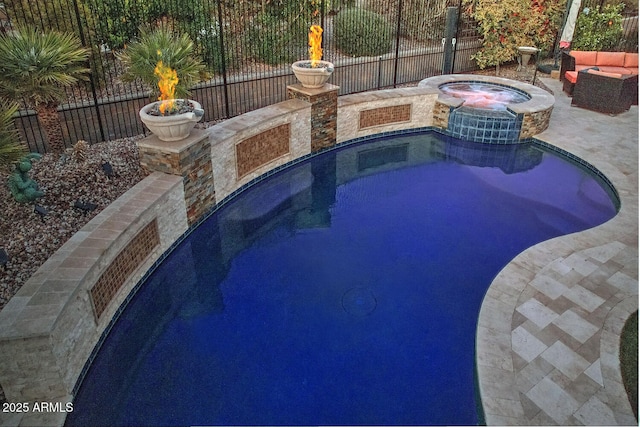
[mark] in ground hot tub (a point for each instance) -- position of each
(489, 109)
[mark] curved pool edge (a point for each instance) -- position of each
(545, 315)
(625, 197)
(540, 99)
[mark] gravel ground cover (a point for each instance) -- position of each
(30, 239)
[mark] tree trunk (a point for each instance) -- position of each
(50, 123)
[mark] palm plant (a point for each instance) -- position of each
(38, 67)
(11, 150)
(177, 52)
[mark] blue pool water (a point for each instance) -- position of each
(343, 290)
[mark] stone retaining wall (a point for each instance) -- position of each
(49, 328)
(238, 145)
(369, 113)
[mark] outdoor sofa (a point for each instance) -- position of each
(601, 81)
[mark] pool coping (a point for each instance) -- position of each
(497, 297)
(550, 316)
(540, 99)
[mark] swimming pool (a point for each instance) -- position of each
(343, 290)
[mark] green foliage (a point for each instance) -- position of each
(508, 24)
(176, 51)
(47, 15)
(287, 9)
(629, 360)
(421, 19)
(65, 16)
(599, 29)
(198, 19)
(275, 41)
(11, 150)
(38, 67)
(359, 32)
(119, 20)
(124, 19)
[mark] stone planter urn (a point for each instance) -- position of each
(525, 56)
(312, 77)
(172, 127)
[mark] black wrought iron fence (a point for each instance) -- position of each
(247, 45)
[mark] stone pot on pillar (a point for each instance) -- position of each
(174, 125)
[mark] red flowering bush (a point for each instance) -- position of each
(507, 24)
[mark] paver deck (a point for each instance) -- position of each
(549, 328)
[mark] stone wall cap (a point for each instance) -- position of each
(397, 94)
(231, 127)
(37, 306)
(153, 142)
(328, 87)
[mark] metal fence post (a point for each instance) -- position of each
(450, 30)
(225, 86)
(395, 65)
(92, 83)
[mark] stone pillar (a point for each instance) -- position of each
(324, 112)
(189, 158)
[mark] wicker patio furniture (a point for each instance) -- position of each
(605, 92)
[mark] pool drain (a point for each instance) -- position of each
(359, 301)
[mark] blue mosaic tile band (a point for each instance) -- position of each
(486, 126)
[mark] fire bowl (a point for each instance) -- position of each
(312, 77)
(173, 127)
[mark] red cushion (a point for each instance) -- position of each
(584, 57)
(614, 59)
(604, 74)
(631, 60)
(571, 76)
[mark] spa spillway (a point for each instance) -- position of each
(489, 109)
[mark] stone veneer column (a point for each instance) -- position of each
(189, 158)
(324, 112)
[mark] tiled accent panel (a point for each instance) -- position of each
(324, 112)
(385, 115)
(487, 126)
(231, 173)
(532, 116)
(535, 123)
(189, 158)
(368, 113)
(48, 329)
(441, 115)
(262, 148)
(122, 266)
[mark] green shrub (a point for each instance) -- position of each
(64, 16)
(629, 360)
(275, 41)
(598, 29)
(421, 19)
(119, 20)
(359, 32)
(175, 51)
(11, 150)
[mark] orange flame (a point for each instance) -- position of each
(315, 43)
(167, 81)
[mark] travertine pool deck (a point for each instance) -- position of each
(548, 331)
